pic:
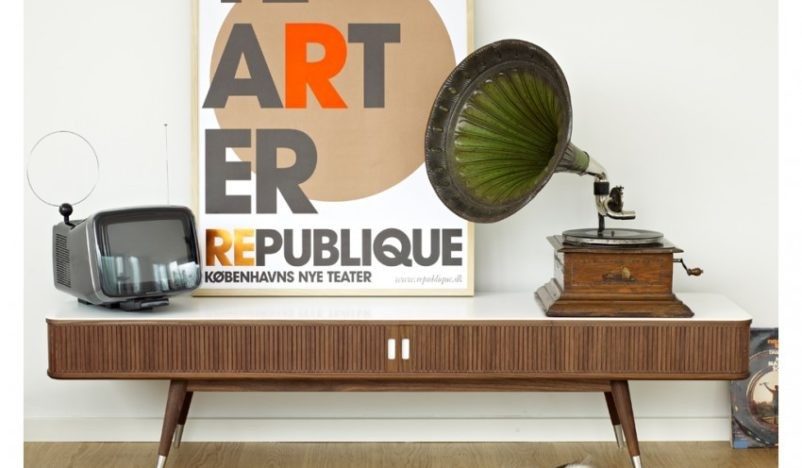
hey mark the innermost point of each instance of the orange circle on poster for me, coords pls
(361, 150)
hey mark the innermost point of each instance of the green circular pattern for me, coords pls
(505, 136)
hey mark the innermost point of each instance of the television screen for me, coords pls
(146, 252)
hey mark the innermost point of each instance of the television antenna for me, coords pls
(166, 165)
(65, 154)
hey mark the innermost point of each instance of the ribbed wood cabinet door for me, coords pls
(322, 349)
(218, 349)
(449, 349)
(592, 349)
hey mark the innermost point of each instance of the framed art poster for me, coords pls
(308, 122)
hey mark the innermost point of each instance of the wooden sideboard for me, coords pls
(491, 342)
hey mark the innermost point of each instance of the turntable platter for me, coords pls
(612, 237)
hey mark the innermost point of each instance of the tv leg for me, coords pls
(619, 433)
(623, 403)
(175, 399)
(182, 419)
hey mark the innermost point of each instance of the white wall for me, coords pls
(677, 98)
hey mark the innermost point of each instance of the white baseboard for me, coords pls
(374, 429)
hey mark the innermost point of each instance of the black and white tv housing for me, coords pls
(132, 258)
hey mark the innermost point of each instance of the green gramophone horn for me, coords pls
(499, 128)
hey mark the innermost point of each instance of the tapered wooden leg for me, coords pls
(182, 419)
(619, 434)
(175, 400)
(623, 405)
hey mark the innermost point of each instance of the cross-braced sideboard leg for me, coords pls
(619, 434)
(175, 400)
(182, 419)
(623, 403)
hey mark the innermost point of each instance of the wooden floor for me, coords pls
(394, 455)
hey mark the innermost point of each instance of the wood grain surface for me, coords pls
(576, 349)
(605, 281)
(395, 455)
(405, 385)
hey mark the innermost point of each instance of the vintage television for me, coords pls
(132, 259)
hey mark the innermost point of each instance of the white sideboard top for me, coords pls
(483, 306)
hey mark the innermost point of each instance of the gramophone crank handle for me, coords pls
(690, 271)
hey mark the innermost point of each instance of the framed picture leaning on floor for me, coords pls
(755, 400)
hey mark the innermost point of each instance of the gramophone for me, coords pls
(499, 128)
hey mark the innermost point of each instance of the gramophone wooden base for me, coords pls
(555, 304)
(605, 281)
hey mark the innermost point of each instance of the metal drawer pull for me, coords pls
(391, 349)
(405, 349)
